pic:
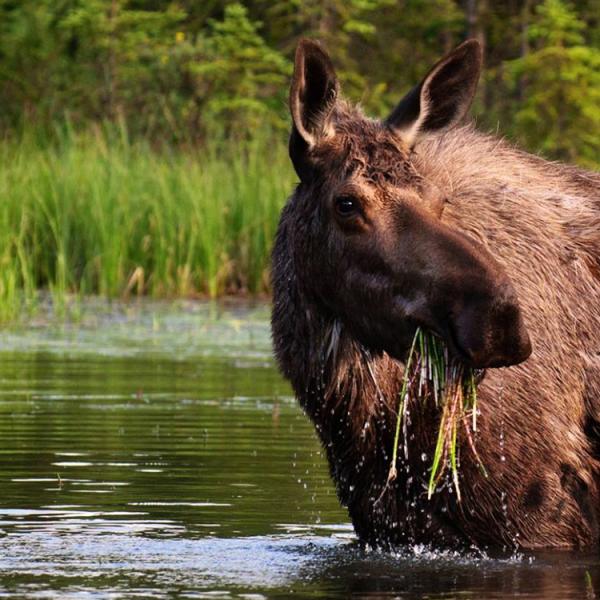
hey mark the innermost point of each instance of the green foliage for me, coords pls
(241, 80)
(560, 113)
(95, 213)
(556, 25)
(119, 60)
(181, 71)
(411, 36)
(344, 26)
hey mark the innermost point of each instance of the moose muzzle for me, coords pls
(470, 300)
(488, 331)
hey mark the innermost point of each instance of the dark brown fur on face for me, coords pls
(419, 221)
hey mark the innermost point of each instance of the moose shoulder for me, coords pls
(419, 221)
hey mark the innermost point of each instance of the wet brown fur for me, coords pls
(539, 427)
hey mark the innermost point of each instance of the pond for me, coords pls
(153, 450)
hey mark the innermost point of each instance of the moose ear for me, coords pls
(312, 98)
(442, 99)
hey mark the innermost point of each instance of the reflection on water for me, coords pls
(152, 451)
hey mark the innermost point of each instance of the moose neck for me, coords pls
(349, 391)
(351, 395)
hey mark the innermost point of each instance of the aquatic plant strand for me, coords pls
(431, 374)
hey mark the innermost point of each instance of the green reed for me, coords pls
(432, 375)
(93, 213)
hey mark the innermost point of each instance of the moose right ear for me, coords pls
(442, 99)
(312, 98)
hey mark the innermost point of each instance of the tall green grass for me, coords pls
(93, 213)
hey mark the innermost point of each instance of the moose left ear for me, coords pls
(442, 99)
(313, 96)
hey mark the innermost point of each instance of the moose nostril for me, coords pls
(512, 338)
(526, 349)
(508, 315)
(524, 346)
(488, 332)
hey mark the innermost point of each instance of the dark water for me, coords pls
(154, 451)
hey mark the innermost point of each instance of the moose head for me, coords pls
(370, 235)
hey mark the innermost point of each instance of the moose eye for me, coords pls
(346, 206)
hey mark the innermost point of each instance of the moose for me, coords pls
(420, 220)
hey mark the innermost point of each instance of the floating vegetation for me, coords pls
(432, 375)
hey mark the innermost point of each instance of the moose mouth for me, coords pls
(455, 347)
(448, 337)
(489, 354)
(480, 347)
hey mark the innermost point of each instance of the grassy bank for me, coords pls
(95, 214)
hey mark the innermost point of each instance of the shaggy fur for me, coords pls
(539, 425)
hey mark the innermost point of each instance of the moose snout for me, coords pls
(464, 294)
(489, 331)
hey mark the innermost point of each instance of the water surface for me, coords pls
(153, 450)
